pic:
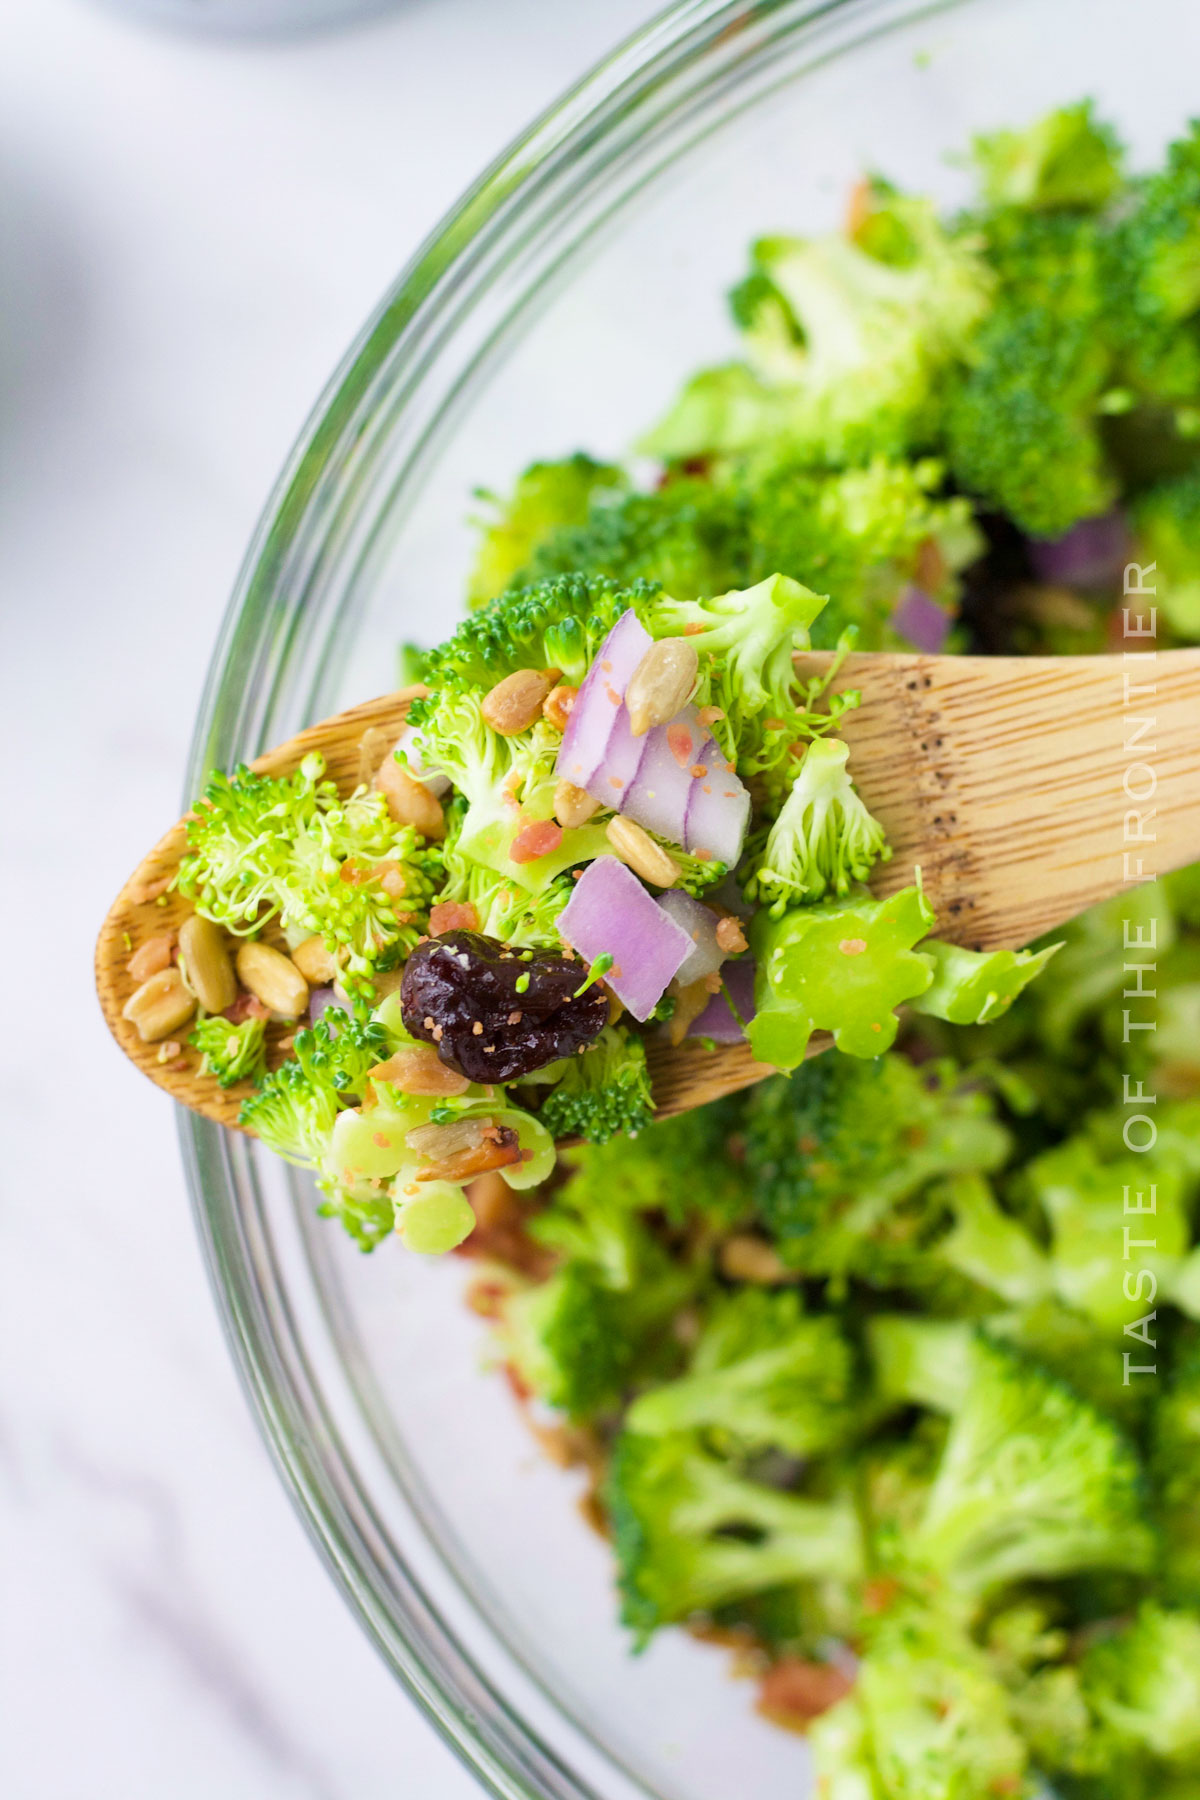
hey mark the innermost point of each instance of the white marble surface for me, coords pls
(190, 234)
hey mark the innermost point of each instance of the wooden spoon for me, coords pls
(1017, 785)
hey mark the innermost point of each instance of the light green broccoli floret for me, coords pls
(1143, 1683)
(295, 1108)
(605, 1091)
(690, 1531)
(1066, 158)
(824, 839)
(548, 497)
(262, 847)
(972, 987)
(761, 1374)
(231, 1052)
(1166, 522)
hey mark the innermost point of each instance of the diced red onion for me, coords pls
(611, 913)
(700, 923)
(319, 1002)
(920, 620)
(620, 763)
(1093, 554)
(599, 700)
(718, 808)
(717, 1020)
(658, 798)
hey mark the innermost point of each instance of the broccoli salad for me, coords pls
(882, 1370)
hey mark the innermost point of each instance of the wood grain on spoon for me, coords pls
(1006, 780)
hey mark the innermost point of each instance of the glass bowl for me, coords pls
(557, 307)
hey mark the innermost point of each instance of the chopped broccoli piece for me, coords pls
(231, 1052)
(1144, 1683)
(837, 1155)
(845, 349)
(935, 1722)
(1034, 1483)
(287, 846)
(656, 1171)
(1175, 1469)
(990, 1247)
(690, 535)
(690, 1531)
(823, 840)
(605, 1091)
(555, 624)
(548, 497)
(1066, 158)
(294, 1110)
(761, 1374)
(505, 784)
(972, 987)
(1023, 420)
(1166, 521)
(567, 1339)
(841, 966)
(1154, 258)
(921, 1361)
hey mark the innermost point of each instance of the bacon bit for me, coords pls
(852, 946)
(929, 570)
(731, 768)
(698, 771)
(246, 1006)
(452, 915)
(152, 957)
(797, 1691)
(541, 838)
(144, 891)
(354, 874)
(616, 971)
(679, 743)
(731, 938)
(692, 630)
(708, 715)
(391, 878)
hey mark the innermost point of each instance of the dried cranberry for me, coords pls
(460, 991)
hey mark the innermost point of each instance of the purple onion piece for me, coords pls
(920, 620)
(599, 700)
(620, 763)
(1092, 554)
(718, 809)
(319, 1001)
(658, 799)
(611, 913)
(717, 1021)
(700, 923)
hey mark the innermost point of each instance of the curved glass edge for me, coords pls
(267, 674)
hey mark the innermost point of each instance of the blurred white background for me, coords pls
(190, 235)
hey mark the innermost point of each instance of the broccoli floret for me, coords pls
(548, 497)
(294, 1110)
(1067, 158)
(844, 349)
(1166, 521)
(231, 1052)
(761, 1374)
(1022, 422)
(605, 1091)
(930, 1718)
(505, 784)
(824, 839)
(504, 909)
(287, 846)
(690, 1531)
(1155, 272)
(567, 1340)
(973, 987)
(656, 1171)
(555, 624)
(920, 1361)
(690, 535)
(1144, 1683)
(1033, 1483)
(1175, 1468)
(990, 1247)
(839, 1154)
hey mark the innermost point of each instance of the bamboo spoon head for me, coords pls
(999, 778)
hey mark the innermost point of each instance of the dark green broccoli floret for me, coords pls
(690, 535)
(1155, 271)
(603, 1092)
(836, 1153)
(1066, 158)
(690, 1531)
(1033, 1483)
(761, 1374)
(568, 1340)
(548, 497)
(294, 1110)
(1175, 1469)
(230, 1052)
(559, 623)
(1022, 422)
(657, 1170)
